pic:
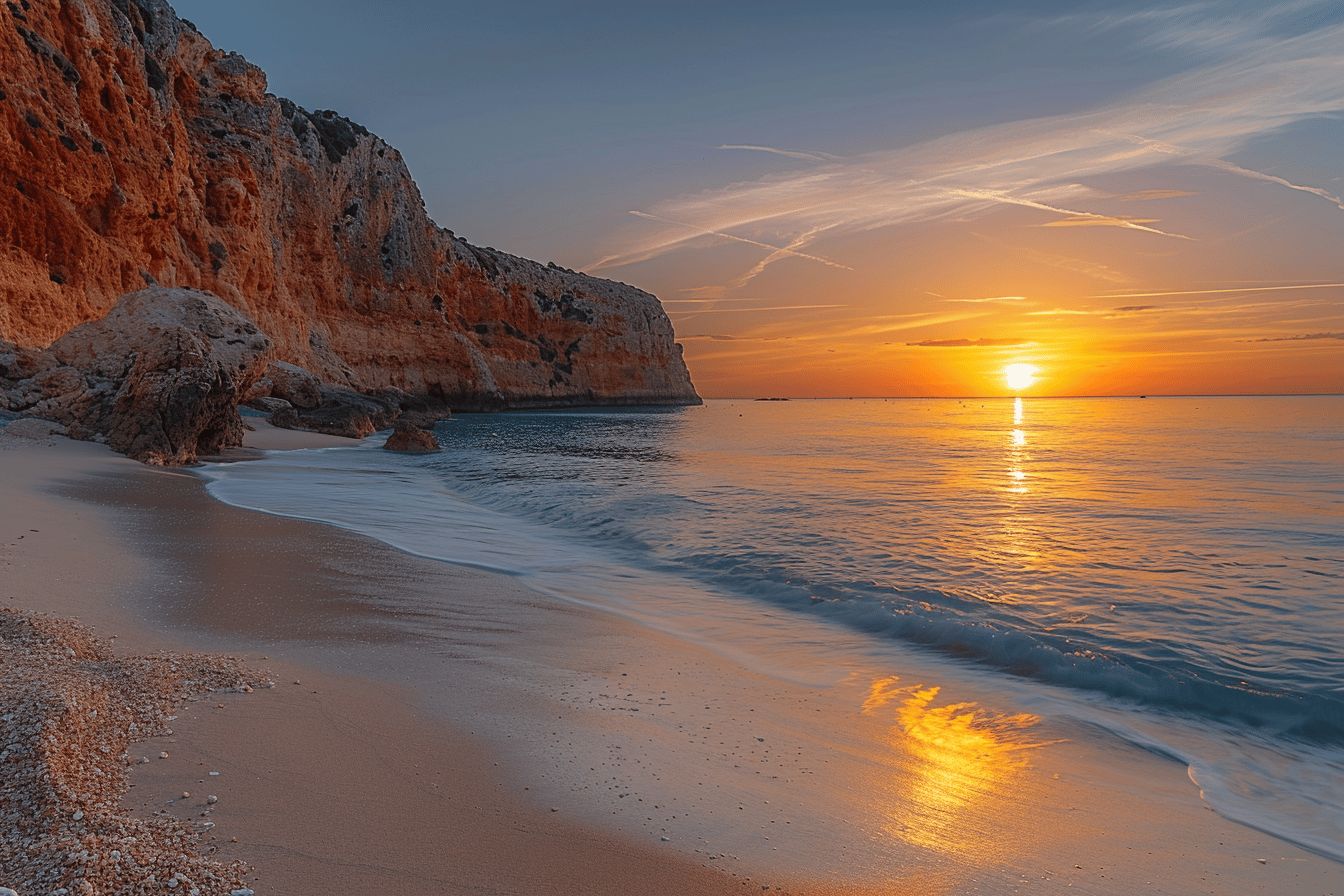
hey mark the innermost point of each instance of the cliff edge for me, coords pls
(134, 153)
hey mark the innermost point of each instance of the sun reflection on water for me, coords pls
(1017, 454)
(964, 762)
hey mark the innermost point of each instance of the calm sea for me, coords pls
(1175, 564)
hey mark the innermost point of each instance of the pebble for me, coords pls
(214, 774)
(212, 799)
(186, 794)
(37, 664)
(242, 891)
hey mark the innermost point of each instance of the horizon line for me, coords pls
(1133, 395)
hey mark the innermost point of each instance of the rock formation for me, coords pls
(343, 412)
(134, 153)
(158, 378)
(410, 439)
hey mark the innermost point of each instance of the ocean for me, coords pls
(1170, 570)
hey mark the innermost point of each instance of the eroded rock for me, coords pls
(158, 378)
(343, 412)
(411, 439)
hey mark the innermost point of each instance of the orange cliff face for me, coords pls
(134, 152)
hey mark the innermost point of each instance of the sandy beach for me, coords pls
(411, 749)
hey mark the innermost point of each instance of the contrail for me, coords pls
(742, 239)
(1110, 220)
(1233, 168)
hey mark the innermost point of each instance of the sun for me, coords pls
(1019, 377)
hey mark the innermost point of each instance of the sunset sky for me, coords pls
(871, 200)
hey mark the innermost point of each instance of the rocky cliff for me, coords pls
(134, 153)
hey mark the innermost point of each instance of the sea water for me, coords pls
(1176, 565)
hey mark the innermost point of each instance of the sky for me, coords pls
(858, 199)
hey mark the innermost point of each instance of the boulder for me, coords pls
(411, 439)
(342, 412)
(270, 405)
(158, 379)
(293, 384)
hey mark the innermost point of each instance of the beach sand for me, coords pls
(515, 744)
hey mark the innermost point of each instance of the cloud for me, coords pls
(789, 153)
(698, 231)
(1187, 26)
(1153, 194)
(1302, 337)
(1093, 221)
(1241, 171)
(1214, 292)
(1071, 216)
(1262, 85)
(965, 343)
(1136, 308)
(981, 300)
(1060, 312)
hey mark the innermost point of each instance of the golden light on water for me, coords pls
(1020, 377)
(965, 759)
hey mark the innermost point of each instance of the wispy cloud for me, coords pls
(1239, 170)
(1071, 216)
(698, 231)
(966, 343)
(1157, 193)
(789, 153)
(980, 300)
(1214, 292)
(1301, 337)
(1098, 221)
(1263, 83)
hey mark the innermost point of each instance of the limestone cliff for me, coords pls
(132, 152)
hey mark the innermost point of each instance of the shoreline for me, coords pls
(383, 608)
(321, 785)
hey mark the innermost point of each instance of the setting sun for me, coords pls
(1019, 376)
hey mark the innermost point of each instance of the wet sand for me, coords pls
(442, 714)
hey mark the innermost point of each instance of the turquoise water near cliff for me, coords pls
(1173, 566)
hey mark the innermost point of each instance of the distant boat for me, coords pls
(772, 399)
